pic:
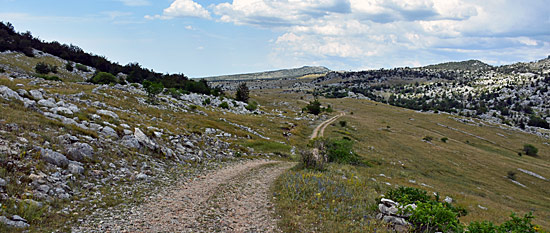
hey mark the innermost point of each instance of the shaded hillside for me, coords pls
(276, 74)
(461, 65)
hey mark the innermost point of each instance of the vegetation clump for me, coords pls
(242, 93)
(152, 89)
(43, 68)
(530, 150)
(103, 78)
(252, 106)
(313, 107)
(224, 105)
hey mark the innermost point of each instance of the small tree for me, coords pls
(530, 150)
(69, 67)
(152, 89)
(242, 93)
(42, 68)
(314, 107)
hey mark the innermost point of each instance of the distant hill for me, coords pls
(461, 65)
(276, 74)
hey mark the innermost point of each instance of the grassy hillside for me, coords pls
(461, 65)
(472, 166)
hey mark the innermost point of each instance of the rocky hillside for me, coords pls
(70, 148)
(516, 95)
(277, 74)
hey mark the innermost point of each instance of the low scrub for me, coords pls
(103, 78)
(530, 150)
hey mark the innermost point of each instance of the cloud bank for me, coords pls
(387, 33)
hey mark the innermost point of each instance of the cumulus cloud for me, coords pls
(182, 8)
(387, 32)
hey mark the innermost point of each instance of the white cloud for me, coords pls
(182, 8)
(135, 2)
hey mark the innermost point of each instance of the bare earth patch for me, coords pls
(233, 199)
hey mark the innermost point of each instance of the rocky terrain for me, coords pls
(277, 74)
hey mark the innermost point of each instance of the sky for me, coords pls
(204, 38)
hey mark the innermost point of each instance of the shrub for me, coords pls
(428, 138)
(42, 68)
(82, 68)
(152, 89)
(407, 195)
(314, 107)
(176, 93)
(444, 139)
(341, 151)
(482, 227)
(207, 101)
(103, 78)
(515, 224)
(69, 67)
(242, 93)
(224, 105)
(435, 217)
(538, 122)
(530, 150)
(2, 70)
(511, 175)
(49, 77)
(252, 106)
(343, 123)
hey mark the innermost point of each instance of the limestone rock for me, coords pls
(7, 93)
(109, 132)
(75, 168)
(36, 95)
(143, 139)
(107, 113)
(80, 151)
(130, 141)
(62, 110)
(47, 103)
(55, 158)
(12, 223)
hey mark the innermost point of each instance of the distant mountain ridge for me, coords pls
(276, 74)
(461, 65)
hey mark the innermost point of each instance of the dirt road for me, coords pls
(320, 129)
(232, 199)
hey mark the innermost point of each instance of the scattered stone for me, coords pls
(47, 103)
(143, 139)
(142, 176)
(448, 199)
(55, 158)
(130, 141)
(36, 95)
(482, 207)
(109, 132)
(107, 113)
(62, 110)
(7, 93)
(11, 223)
(3, 183)
(22, 92)
(75, 168)
(80, 152)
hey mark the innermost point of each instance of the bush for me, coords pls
(2, 70)
(103, 78)
(444, 139)
(435, 217)
(314, 107)
(82, 68)
(242, 93)
(482, 227)
(530, 150)
(252, 106)
(341, 151)
(343, 123)
(49, 77)
(428, 138)
(207, 101)
(511, 175)
(152, 89)
(538, 122)
(407, 195)
(69, 67)
(515, 224)
(224, 105)
(43, 68)
(176, 93)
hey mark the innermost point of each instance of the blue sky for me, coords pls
(202, 38)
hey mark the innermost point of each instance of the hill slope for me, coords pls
(461, 65)
(276, 74)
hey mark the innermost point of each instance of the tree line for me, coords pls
(25, 42)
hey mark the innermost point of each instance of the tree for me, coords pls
(242, 93)
(152, 89)
(103, 78)
(314, 107)
(42, 68)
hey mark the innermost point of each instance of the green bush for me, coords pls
(435, 217)
(224, 105)
(207, 101)
(103, 78)
(530, 150)
(252, 106)
(176, 93)
(538, 122)
(407, 195)
(2, 70)
(428, 138)
(444, 139)
(314, 107)
(511, 175)
(341, 151)
(242, 93)
(152, 88)
(69, 67)
(482, 227)
(515, 224)
(49, 77)
(82, 68)
(343, 123)
(43, 68)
